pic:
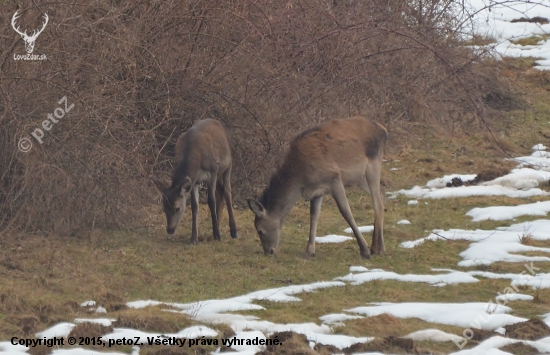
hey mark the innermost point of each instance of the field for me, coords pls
(86, 264)
(46, 278)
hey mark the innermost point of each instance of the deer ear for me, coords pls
(186, 187)
(161, 185)
(256, 207)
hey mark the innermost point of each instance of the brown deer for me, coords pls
(322, 160)
(203, 154)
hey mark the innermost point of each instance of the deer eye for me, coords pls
(260, 234)
(178, 209)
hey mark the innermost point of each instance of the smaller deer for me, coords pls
(325, 160)
(203, 154)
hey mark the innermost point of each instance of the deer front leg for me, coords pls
(229, 203)
(195, 212)
(339, 194)
(314, 212)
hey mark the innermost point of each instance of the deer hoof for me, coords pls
(308, 255)
(234, 234)
(365, 255)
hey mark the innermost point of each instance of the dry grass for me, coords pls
(520, 349)
(113, 269)
(531, 41)
(477, 40)
(526, 239)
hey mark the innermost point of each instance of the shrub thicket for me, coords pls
(141, 72)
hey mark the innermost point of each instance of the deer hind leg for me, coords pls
(372, 179)
(314, 211)
(229, 202)
(212, 205)
(219, 201)
(195, 211)
(339, 194)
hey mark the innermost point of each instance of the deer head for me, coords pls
(29, 40)
(174, 198)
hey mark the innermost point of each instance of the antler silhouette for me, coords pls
(37, 32)
(13, 25)
(29, 40)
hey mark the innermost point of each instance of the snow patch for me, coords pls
(494, 245)
(457, 314)
(362, 229)
(332, 238)
(433, 335)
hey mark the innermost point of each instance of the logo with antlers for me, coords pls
(29, 40)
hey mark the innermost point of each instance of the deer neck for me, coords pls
(282, 194)
(184, 169)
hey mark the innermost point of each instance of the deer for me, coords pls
(202, 154)
(29, 40)
(325, 160)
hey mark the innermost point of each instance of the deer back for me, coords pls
(343, 146)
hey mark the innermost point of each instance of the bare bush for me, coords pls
(139, 73)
